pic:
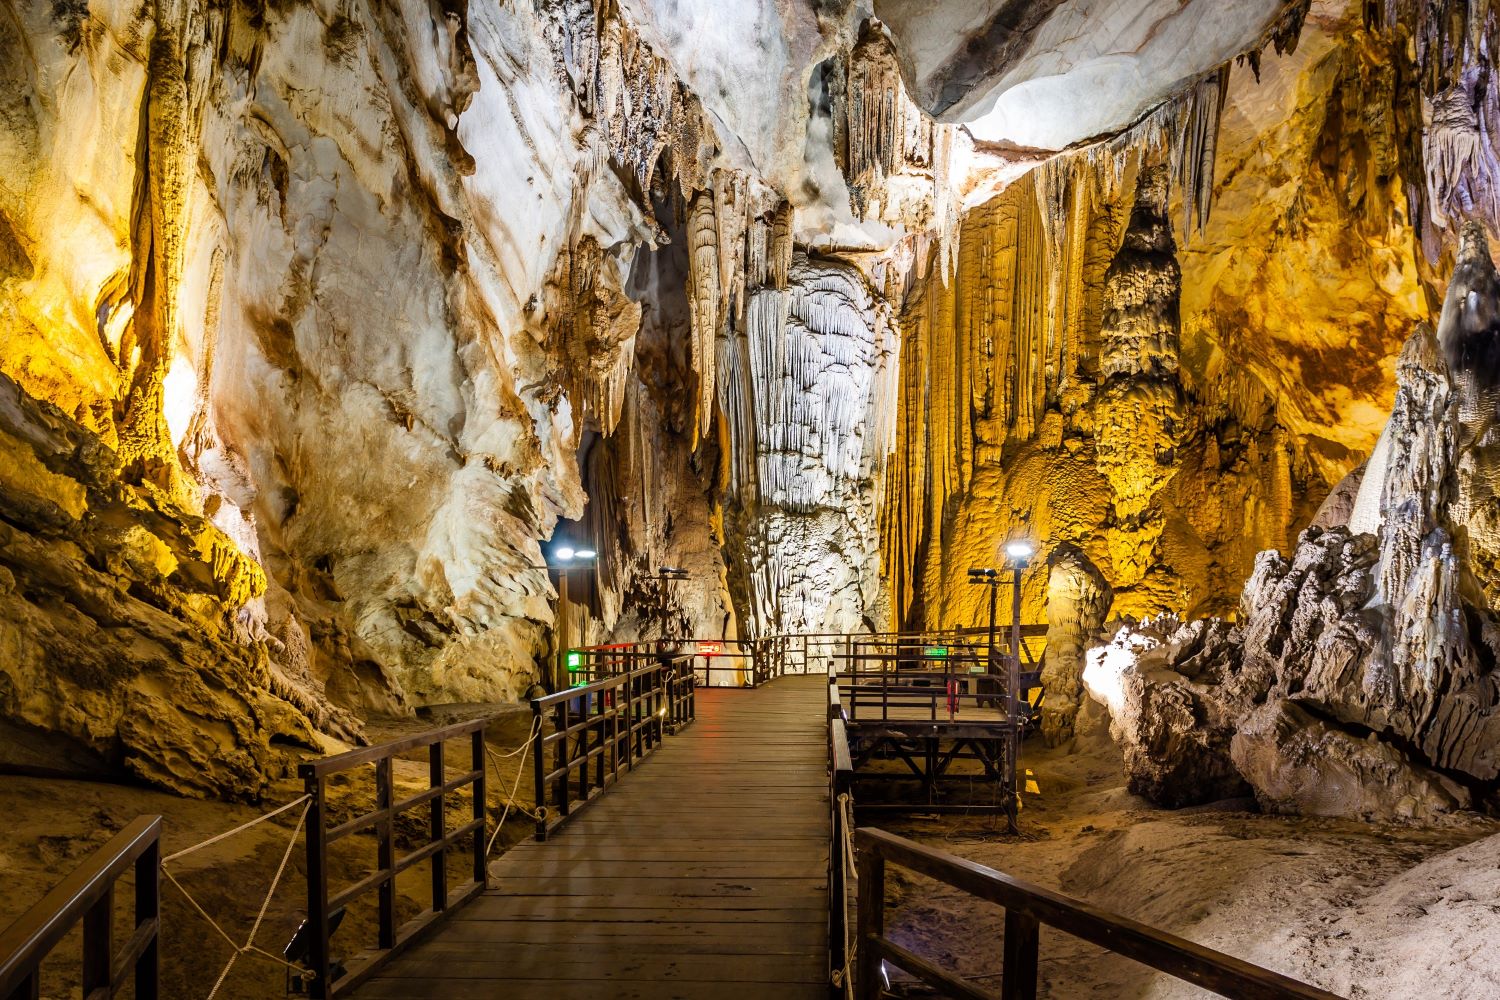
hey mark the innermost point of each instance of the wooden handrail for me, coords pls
(369, 755)
(601, 729)
(1028, 906)
(87, 896)
(322, 903)
(753, 662)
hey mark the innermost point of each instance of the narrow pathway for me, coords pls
(702, 874)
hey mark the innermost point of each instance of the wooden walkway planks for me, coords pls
(702, 875)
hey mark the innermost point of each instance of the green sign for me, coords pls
(575, 659)
(936, 652)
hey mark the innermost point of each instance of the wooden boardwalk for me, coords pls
(702, 874)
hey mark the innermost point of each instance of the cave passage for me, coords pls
(1044, 454)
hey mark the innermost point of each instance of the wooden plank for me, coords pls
(619, 961)
(467, 989)
(768, 938)
(585, 910)
(705, 867)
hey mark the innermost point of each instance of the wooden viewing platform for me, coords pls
(702, 874)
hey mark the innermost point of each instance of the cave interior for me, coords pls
(374, 366)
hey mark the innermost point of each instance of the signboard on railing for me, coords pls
(936, 652)
(709, 647)
(575, 659)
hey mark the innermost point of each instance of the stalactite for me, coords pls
(594, 327)
(178, 78)
(1446, 98)
(705, 295)
(975, 356)
(881, 134)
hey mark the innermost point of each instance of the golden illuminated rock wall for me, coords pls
(1171, 419)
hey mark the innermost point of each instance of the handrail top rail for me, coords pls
(1150, 946)
(597, 654)
(39, 929)
(1031, 630)
(964, 631)
(604, 684)
(323, 766)
(843, 761)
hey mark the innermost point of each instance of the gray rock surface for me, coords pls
(1360, 679)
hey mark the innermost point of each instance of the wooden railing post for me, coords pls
(148, 910)
(560, 758)
(437, 822)
(29, 989)
(385, 852)
(98, 943)
(539, 770)
(317, 891)
(1018, 977)
(481, 801)
(870, 925)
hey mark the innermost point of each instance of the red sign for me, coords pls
(710, 648)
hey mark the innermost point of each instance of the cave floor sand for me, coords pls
(1364, 910)
(50, 826)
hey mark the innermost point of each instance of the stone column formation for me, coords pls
(1078, 600)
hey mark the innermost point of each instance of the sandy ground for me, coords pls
(51, 826)
(1363, 910)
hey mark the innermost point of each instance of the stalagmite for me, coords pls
(1078, 599)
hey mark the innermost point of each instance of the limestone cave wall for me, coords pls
(319, 319)
(1165, 349)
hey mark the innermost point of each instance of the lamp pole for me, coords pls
(559, 665)
(563, 558)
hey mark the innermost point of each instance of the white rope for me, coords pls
(249, 946)
(842, 977)
(230, 833)
(510, 800)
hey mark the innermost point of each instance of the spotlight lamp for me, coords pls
(977, 575)
(1019, 552)
(564, 554)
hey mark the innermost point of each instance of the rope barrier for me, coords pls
(230, 833)
(249, 947)
(841, 977)
(510, 800)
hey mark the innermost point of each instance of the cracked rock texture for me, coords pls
(122, 651)
(1361, 679)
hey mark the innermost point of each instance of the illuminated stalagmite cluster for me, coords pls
(1361, 678)
(320, 319)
